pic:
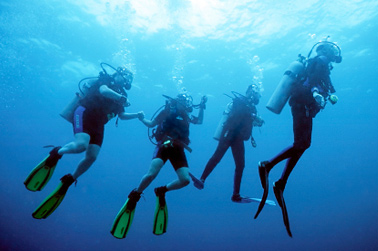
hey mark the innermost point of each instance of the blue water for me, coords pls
(209, 48)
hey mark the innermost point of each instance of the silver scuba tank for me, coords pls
(219, 132)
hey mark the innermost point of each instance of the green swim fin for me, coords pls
(161, 212)
(125, 216)
(42, 173)
(52, 201)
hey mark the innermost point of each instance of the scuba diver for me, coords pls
(310, 88)
(99, 100)
(172, 137)
(234, 128)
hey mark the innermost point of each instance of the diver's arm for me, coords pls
(199, 120)
(109, 93)
(127, 116)
(149, 123)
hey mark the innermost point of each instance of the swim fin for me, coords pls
(52, 201)
(125, 216)
(42, 173)
(161, 212)
(264, 178)
(281, 201)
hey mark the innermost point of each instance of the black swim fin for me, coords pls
(125, 216)
(42, 173)
(281, 201)
(264, 178)
(161, 212)
(52, 201)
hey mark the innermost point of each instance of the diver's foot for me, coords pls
(134, 197)
(198, 183)
(160, 191)
(241, 199)
(264, 168)
(54, 156)
(67, 181)
(278, 188)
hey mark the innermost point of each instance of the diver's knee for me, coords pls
(302, 147)
(185, 181)
(81, 147)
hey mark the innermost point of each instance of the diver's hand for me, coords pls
(333, 99)
(203, 102)
(140, 115)
(258, 121)
(124, 101)
(253, 142)
(319, 99)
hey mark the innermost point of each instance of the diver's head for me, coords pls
(330, 50)
(123, 77)
(253, 93)
(185, 102)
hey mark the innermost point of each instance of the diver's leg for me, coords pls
(90, 157)
(222, 147)
(238, 152)
(182, 181)
(285, 154)
(302, 127)
(155, 167)
(79, 145)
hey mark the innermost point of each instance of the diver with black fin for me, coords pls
(308, 85)
(235, 127)
(172, 138)
(100, 99)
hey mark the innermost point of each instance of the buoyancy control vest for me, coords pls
(237, 120)
(173, 124)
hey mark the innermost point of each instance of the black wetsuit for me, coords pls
(95, 111)
(304, 108)
(237, 129)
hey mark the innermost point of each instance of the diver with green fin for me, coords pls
(100, 99)
(172, 138)
(308, 85)
(235, 127)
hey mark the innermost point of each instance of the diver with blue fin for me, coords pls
(235, 127)
(172, 138)
(308, 85)
(99, 100)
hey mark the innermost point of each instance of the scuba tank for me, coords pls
(68, 112)
(219, 132)
(283, 91)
